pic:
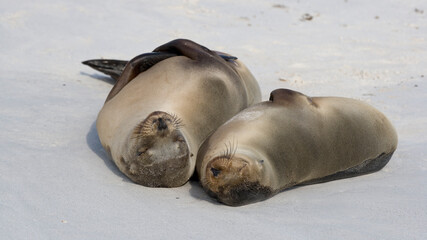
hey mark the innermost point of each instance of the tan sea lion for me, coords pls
(164, 105)
(293, 140)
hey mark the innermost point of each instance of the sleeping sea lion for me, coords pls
(293, 140)
(164, 105)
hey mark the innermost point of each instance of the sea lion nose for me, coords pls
(162, 124)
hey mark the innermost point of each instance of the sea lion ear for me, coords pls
(135, 66)
(185, 47)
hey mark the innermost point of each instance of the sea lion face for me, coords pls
(158, 154)
(234, 180)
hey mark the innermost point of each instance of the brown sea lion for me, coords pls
(164, 105)
(293, 140)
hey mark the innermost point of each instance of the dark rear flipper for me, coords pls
(111, 67)
(124, 72)
(366, 167)
(114, 68)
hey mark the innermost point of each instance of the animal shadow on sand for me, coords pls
(197, 191)
(100, 77)
(94, 144)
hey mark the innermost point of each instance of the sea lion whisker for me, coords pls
(141, 127)
(140, 135)
(225, 153)
(176, 121)
(234, 148)
(230, 150)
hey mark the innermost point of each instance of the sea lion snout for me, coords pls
(158, 124)
(233, 180)
(162, 124)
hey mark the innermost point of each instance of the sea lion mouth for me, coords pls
(158, 154)
(240, 194)
(244, 193)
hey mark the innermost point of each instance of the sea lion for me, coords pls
(164, 105)
(291, 140)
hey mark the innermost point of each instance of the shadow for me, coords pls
(101, 77)
(94, 144)
(197, 192)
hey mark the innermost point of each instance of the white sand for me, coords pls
(56, 182)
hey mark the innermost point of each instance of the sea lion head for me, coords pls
(235, 179)
(158, 154)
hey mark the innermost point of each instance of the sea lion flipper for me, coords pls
(227, 57)
(185, 47)
(114, 68)
(191, 50)
(135, 66)
(111, 67)
(366, 167)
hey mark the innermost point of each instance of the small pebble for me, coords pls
(306, 17)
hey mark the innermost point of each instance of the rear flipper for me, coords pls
(111, 67)
(114, 68)
(366, 167)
